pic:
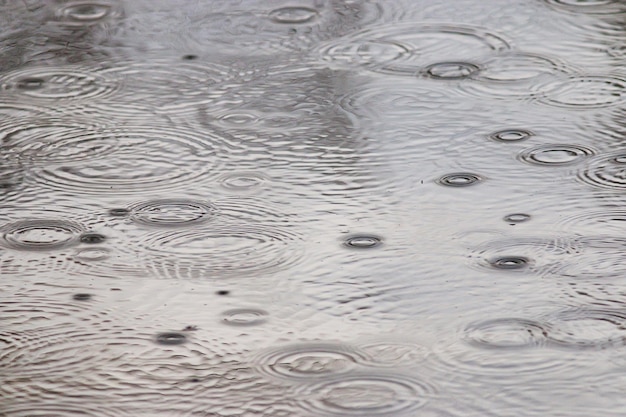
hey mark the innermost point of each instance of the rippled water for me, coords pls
(312, 208)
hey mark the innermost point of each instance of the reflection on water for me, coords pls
(312, 208)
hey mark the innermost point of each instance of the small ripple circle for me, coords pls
(40, 234)
(555, 155)
(459, 179)
(172, 212)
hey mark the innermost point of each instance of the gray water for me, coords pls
(313, 208)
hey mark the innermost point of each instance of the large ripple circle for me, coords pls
(221, 250)
(142, 161)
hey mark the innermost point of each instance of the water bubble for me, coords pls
(510, 262)
(367, 394)
(84, 12)
(459, 179)
(517, 218)
(190, 57)
(506, 333)
(171, 338)
(92, 238)
(555, 155)
(309, 361)
(172, 212)
(244, 317)
(82, 297)
(222, 292)
(40, 234)
(293, 15)
(363, 242)
(511, 135)
(451, 70)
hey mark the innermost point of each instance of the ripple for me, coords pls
(460, 179)
(585, 328)
(450, 70)
(506, 333)
(595, 257)
(57, 141)
(64, 408)
(222, 250)
(92, 255)
(596, 222)
(409, 48)
(363, 242)
(516, 218)
(142, 162)
(309, 361)
(293, 15)
(244, 317)
(58, 83)
(243, 181)
(589, 6)
(171, 212)
(524, 254)
(511, 135)
(605, 171)
(394, 354)
(585, 92)
(555, 155)
(40, 234)
(514, 75)
(84, 13)
(92, 238)
(371, 394)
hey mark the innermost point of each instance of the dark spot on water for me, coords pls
(190, 328)
(119, 212)
(30, 83)
(190, 57)
(363, 242)
(171, 338)
(461, 179)
(92, 238)
(509, 262)
(81, 297)
(222, 292)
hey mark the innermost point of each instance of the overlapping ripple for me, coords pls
(607, 171)
(141, 162)
(409, 48)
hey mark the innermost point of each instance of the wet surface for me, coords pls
(312, 208)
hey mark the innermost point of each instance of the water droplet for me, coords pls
(511, 135)
(451, 70)
(460, 179)
(510, 262)
(92, 238)
(363, 242)
(81, 297)
(172, 212)
(244, 317)
(40, 234)
(171, 338)
(517, 218)
(293, 15)
(190, 57)
(222, 292)
(555, 155)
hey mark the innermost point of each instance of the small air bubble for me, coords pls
(81, 297)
